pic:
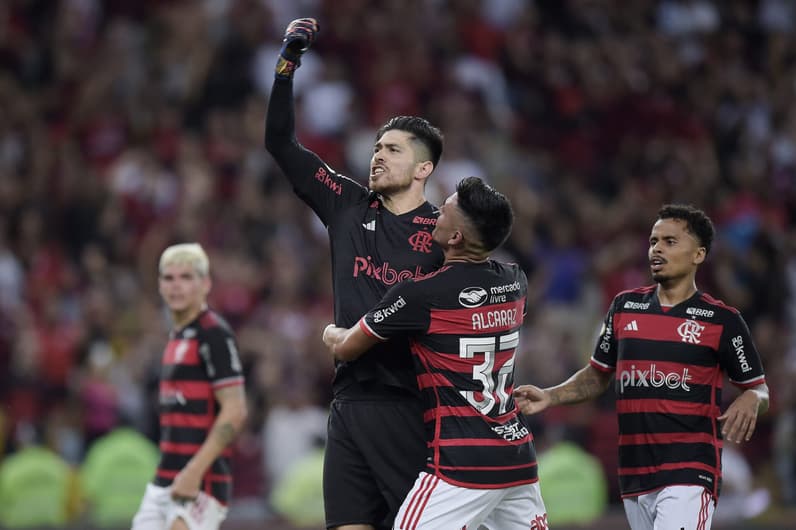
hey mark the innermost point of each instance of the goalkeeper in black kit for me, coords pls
(379, 235)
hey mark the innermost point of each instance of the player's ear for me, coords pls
(700, 256)
(423, 169)
(456, 238)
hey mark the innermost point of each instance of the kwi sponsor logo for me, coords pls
(380, 314)
(740, 354)
(606, 333)
(324, 178)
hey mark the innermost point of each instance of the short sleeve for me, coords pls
(404, 310)
(605, 351)
(738, 355)
(219, 352)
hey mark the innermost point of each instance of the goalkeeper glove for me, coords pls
(299, 36)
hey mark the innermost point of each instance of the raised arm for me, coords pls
(585, 384)
(280, 128)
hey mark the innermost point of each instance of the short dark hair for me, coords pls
(487, 209)
(420, 129)
(697, 222)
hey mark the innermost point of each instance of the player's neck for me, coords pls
(403, 202)
(185, 317)
(671, 294)
(460, 256)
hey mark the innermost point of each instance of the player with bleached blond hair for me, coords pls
(202, 402)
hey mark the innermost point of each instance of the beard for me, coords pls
(390, 188)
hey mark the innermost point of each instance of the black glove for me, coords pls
(299, 36)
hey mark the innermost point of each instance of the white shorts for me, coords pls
(158, 511)
(433, 504)
(671, 508)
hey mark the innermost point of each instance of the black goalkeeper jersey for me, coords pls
(464, 322)
(372, 249)
(199, 359)
(670, 365)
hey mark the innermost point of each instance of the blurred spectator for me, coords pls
(128, 126)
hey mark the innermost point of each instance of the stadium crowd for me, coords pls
(129, 125)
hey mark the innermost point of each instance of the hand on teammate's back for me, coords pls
(299, 36)
(531, 399)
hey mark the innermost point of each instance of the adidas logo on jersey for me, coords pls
(370, 225)
(631, 326)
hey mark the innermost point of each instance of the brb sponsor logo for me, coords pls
(652, 377)
(420, 220)
(383, 273)
(637, 305)
(390, 310)
(699, 312)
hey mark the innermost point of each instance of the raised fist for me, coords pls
(299, 36)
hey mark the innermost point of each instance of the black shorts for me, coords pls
(374, 452)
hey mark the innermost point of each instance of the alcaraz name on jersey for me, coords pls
(670, 365)
(464, 322)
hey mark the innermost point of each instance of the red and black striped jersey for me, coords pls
(199, 359)
(464, 325)
(670, 364)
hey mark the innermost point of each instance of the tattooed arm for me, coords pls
(229, 422)
(587, 383)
